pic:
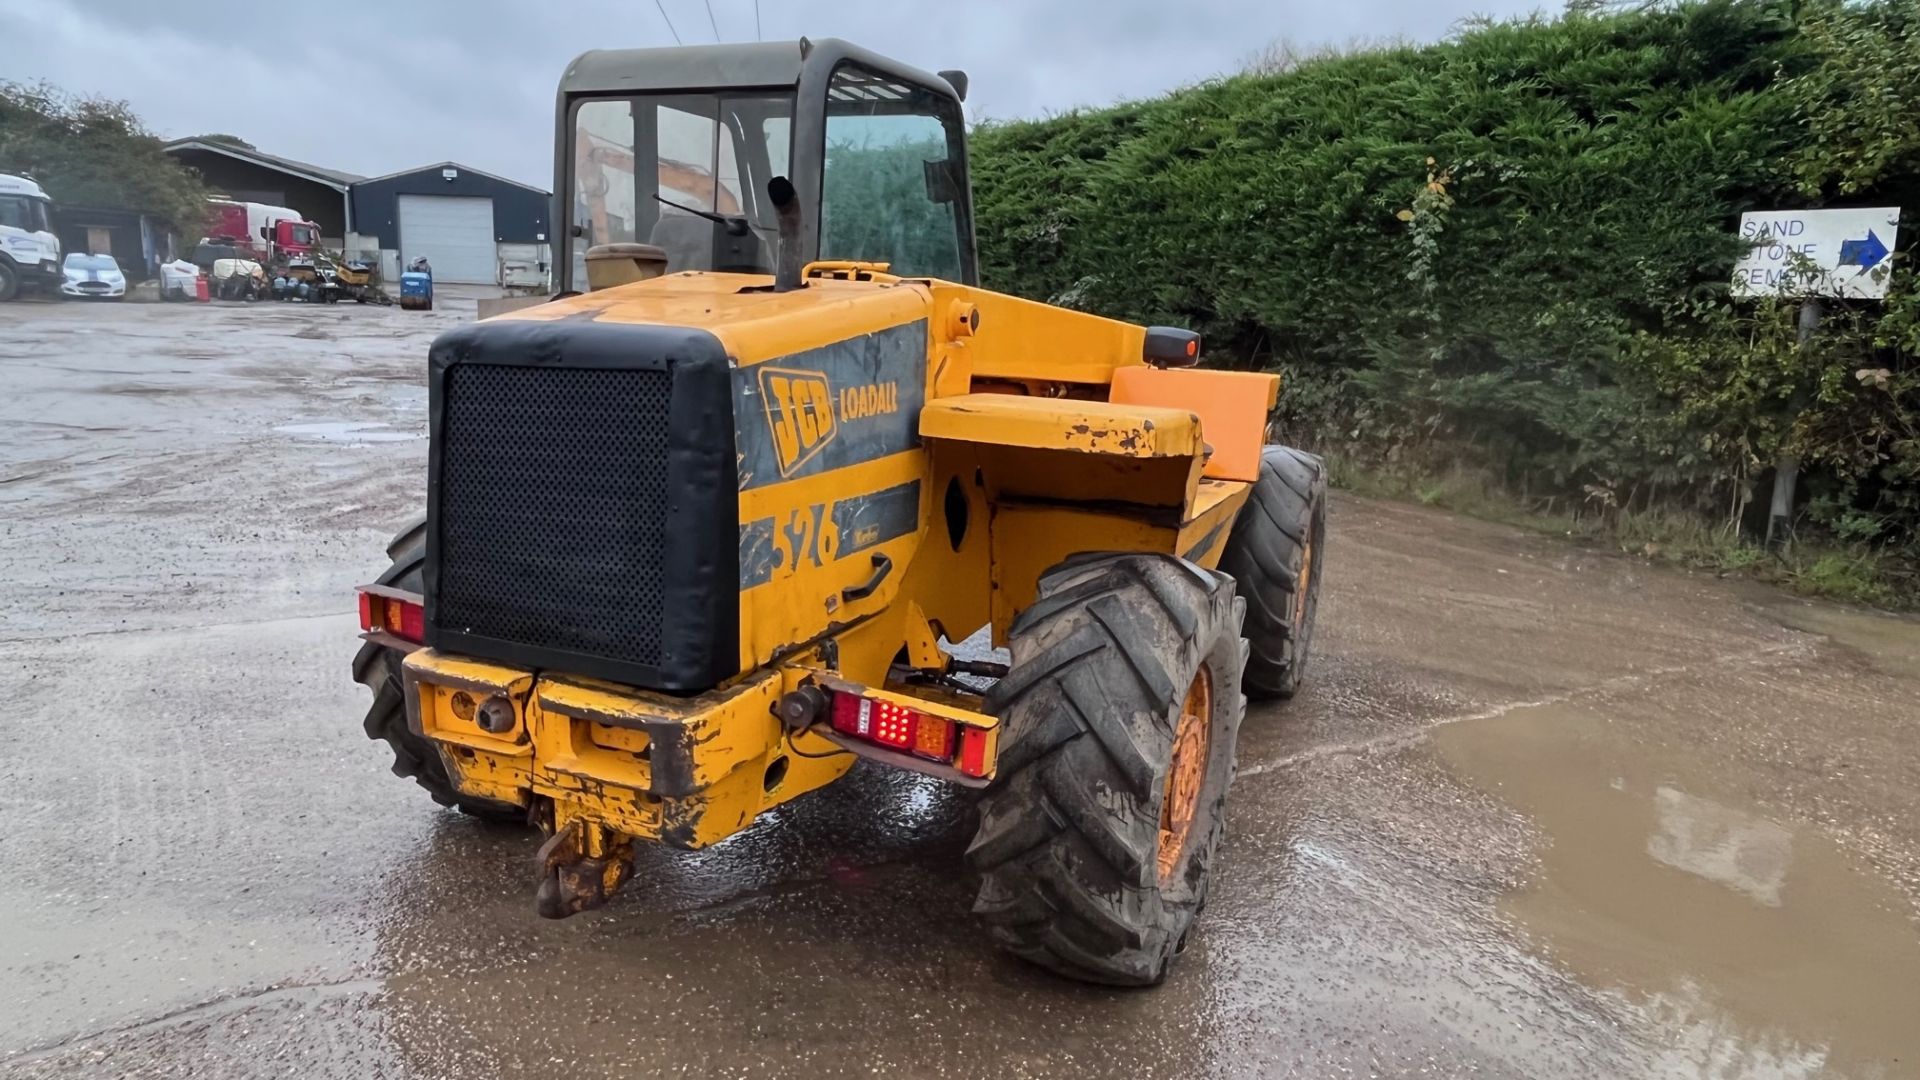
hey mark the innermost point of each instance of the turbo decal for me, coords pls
(811, 536)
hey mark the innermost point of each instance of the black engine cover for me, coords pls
(583, 501)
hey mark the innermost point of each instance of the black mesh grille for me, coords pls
(553, 506)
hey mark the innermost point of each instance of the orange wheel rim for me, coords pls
(1302, 587)
(1186, 773)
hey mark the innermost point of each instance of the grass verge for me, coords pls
(1854, 574)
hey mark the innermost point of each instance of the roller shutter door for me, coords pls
(455, 233)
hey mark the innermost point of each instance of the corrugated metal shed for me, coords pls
(384, 205)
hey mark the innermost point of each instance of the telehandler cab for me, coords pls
(697, 543)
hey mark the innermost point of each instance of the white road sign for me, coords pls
(1842, 253)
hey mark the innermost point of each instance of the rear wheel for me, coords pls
(1275, 555)
(1121, 711)
(378, 669)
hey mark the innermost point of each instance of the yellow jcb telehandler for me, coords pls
(699, 541)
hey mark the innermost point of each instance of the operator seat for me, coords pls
(687, 240)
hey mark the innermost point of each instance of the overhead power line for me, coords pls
(756, 21)
(710, 22)
(663, 15)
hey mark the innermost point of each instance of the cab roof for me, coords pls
(20, 185)
(717, 67)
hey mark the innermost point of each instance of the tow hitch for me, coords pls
(581, 866)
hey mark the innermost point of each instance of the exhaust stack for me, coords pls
(786, 205)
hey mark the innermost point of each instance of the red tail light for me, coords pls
(975, 746)
(401, 617)
(895, 727)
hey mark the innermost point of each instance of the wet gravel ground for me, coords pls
(1540, 811)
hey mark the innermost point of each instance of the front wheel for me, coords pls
(9, 282)
(1121, 712)
(1275, 554)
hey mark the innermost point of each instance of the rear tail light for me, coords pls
(933, 738)
(395, 615)
(976, 751)
(895, 727)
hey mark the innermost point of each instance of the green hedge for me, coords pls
(1513, 245)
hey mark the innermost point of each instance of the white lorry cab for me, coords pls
(29, 252)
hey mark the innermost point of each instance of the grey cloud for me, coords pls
(373, 88)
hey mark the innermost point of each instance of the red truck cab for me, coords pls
(267, 232)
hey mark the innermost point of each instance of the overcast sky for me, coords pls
(374, 88)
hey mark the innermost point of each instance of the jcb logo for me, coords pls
(800, 413)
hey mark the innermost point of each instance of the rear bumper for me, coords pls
(686, 772)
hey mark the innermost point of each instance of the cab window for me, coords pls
(23, 212)
(659, 168)
(891, 183)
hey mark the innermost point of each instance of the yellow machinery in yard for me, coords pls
(697, 543)
(331, 280)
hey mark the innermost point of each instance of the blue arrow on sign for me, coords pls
(1865, 254)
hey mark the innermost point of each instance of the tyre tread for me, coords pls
(1066, 849)
(1263, 554)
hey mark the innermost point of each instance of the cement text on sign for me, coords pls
(1837, 253)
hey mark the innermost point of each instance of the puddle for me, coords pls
(1751, 948)
(1889, 642)
(351, 433)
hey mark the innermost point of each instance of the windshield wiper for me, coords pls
(736, 224)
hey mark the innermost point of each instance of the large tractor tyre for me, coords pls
(378, 668)
(1275, 556)
(1121, 712)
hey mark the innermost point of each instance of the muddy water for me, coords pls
(1748, 946)
(1887, 642)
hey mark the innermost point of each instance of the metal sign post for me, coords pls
(1786, 468)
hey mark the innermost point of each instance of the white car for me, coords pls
(93, 276)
